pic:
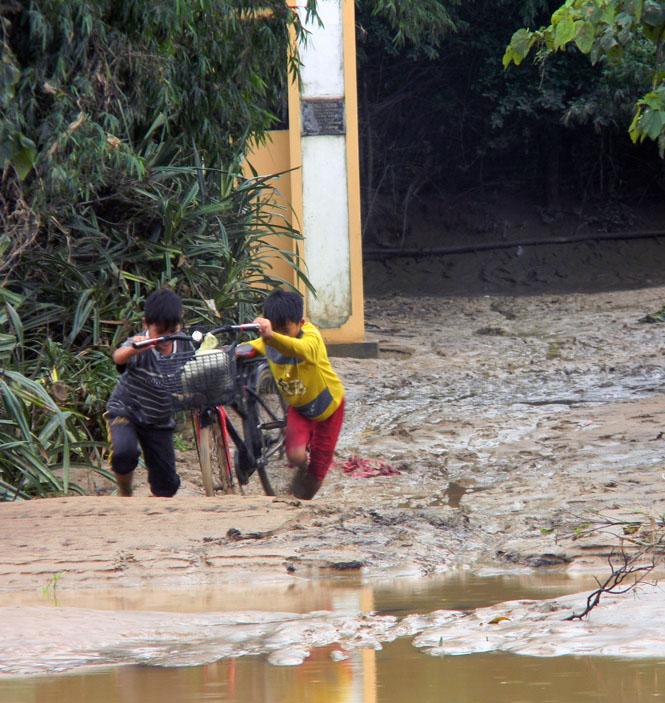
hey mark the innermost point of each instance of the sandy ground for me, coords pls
(515, 424)
(509, 428)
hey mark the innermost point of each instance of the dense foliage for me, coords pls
(619, 32)
(440, 118)
(123, 127)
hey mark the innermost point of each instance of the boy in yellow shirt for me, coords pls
(299, 362)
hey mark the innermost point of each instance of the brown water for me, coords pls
(396, 595)
(398, 672)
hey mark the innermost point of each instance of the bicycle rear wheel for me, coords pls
(214, 455)
(268, 419)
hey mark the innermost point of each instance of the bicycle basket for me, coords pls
(198, 381)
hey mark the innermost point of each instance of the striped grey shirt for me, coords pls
(139, 394)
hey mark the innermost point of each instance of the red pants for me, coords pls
(318, 436)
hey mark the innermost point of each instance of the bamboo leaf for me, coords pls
(15, 410)
(82, 312)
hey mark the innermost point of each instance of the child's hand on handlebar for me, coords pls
(141, 338)
(265, 327)
(123, 354)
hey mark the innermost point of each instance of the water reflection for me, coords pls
(465, 590)
(395, 674)
(387, 671)
(298, 596)
(397, 593)
(320, 680)
(505, 678)
(179, 628)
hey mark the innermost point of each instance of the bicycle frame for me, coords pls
(258, 447)
(248, 448)
(276, 423)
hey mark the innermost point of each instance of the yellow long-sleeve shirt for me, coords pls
(303, 372)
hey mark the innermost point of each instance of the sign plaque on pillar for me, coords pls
(322, 116)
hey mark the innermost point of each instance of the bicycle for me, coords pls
(232, 396)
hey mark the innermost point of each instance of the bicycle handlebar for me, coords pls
(196, 336)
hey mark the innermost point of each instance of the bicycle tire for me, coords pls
(214, 458)
(268, 420)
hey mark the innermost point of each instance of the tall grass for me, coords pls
(41, 439)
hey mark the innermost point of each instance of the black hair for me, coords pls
(283, 306)
(163, 306)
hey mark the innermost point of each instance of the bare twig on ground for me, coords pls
(628, 566)
(645, 533)
(641, 543)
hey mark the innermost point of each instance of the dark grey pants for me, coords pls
(158, 453)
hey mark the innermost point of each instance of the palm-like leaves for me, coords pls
(39, 441)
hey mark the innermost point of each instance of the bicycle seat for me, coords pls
(245, 351)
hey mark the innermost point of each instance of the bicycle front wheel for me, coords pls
(269, 430)
(214, 456)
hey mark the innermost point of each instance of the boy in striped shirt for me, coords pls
(138, 412)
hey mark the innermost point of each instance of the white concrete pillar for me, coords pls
(324, 167)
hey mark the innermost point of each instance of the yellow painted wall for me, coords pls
(274, 157)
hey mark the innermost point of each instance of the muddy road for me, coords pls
(496, 429)
(496, 434)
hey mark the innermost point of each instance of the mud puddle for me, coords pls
(200, 626)
(387, 642)
(390, 595)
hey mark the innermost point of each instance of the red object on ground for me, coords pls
(363, 468)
